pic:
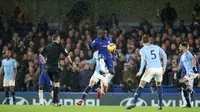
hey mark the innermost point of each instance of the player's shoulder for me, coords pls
(3, 60)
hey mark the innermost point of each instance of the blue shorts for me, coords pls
(44, 79)
(109, 63)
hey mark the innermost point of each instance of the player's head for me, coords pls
(145, 39)
(183, 46)
(56, 38)
(8, 54)
(103, 33)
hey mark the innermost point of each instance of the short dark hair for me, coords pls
(145, 39)
(55, 37)
(185, 44)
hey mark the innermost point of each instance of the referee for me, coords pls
(52, 51)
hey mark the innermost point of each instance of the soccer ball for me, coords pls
(111, 47)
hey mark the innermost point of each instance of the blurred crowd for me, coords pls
(26, 40)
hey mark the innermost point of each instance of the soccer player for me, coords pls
(189, 83)
(9, 67)
(44, 80)
(188, 61)
(101, 43)
(52, 51)
(100, 71)
(151, 55)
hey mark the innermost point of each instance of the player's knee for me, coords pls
(111, 71)
(6, 89)
(158, 83)
(92, 83)
(142, 84)
(57, 84)
(41, 87)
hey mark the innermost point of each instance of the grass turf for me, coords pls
(31, 108)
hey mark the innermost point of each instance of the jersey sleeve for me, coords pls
(93, 60)
(190, 55)
(14, 63)
(64, 51)
(94, 44)
(164, 56)
(2, 64)
(142, 63)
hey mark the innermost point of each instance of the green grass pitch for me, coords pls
(30, 108)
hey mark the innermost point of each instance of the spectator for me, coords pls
(168, 15)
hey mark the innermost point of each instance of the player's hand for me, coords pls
(163, 70)
(84, 62)
(198, 76)
(13, 78)
(195, 70)
(69, 58)
(138, 74)
(175, 76)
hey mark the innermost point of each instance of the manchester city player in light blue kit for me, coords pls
(9, 67)
(150, 54)
(188, 61)
(99, 75)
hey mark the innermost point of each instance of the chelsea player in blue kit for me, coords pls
(188, 61)
(9, 67)
(151, 55)
(44, 80)
(101, 44)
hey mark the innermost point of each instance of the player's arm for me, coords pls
(164, 56)
(65, 52)
(15, 69)
(42, 54)
(193, 62)
(142, 63)
(93, 44)
(1, 69)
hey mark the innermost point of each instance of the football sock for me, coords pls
(7, 97)
(184, 86)
(183, 97)
(41, 98)
(192, 97)
(186, 94)
(55, 95)
(85, 93)
(137, 95)
(13, 95)
(159, 92)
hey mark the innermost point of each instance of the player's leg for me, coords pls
(186, 90)
(41, 87)
(93, 81)
(147, 76)
(183, 98)
(6, 90)
(159, 94)
(7, 95)
(158, 78)
(12, 90)
(49, 83)
(108, 78)
(41, 95)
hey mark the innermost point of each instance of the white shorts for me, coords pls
(190, 77)
(97, 76)
(157, 73)
(7, 83)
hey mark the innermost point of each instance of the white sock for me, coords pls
(183, 98)
(102, 89)
(41, 97)
(108, 78)
(51, 93)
